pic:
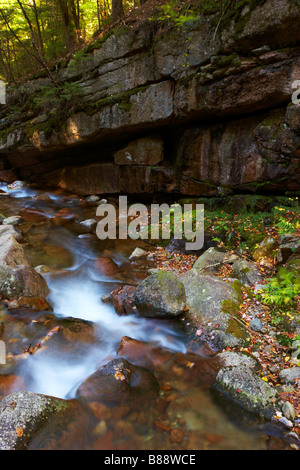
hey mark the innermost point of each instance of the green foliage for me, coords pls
(51, 96)
(287, 220)
(56, 35)
(242, 230)
(172, 12)
(283, 289)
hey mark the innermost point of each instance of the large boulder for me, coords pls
(160, 295)
(265, 249)
(17, 277)
(24, 414)
(241, 384)
(289, 244)
(117, 382)
(11, 252)
(10, 230)
(49, 336)
(214, 304)
(211, 260)
(190, 368)
(21, 281)
(144, 151)
(246, 272)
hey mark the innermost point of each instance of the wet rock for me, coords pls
(33, 303)
(64, 216)
(11, 252)
(286, 422)
(60, 336)
(106, 266)
(30, 283)
(122, 300)
(117, 382)
(214, 304)
(22, 281)
(89, 224)
(10, 230)
(43, 197)
(138, 253)
(143, 353)
(43, 269)
(106, 298)
(188, 368)
(14, 220)
(8, 176)
(92, 199)
(17, 185)
(42, 333)
(10, 383)
(160, 295)
(23, 415)
(247, 389)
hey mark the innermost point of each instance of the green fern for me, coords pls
(283, 289)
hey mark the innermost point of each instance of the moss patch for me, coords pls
(122, 99)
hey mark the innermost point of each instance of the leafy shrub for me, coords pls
(283, 289)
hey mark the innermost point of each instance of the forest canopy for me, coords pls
(38, 34)
(34, 33)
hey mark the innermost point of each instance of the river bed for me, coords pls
(76, 287)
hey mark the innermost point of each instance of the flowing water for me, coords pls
(76, 286)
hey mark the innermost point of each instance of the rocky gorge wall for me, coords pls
(203, 110)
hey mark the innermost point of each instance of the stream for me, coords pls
(76, 286)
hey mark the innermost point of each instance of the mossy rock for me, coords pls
(246, 389)
(214, 304)
(246, 272)
(24, 415)
(294, 264)
(210, 260)
(160, 295)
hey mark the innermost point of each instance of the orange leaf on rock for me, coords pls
(19, 431)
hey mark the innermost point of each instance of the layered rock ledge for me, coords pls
(206, 108)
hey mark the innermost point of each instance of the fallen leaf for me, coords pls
(19, 431)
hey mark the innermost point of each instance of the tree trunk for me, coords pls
(117, 10)
(99, 15)
(6, 63)
(67, 25)
(76, 17)
(38, 26)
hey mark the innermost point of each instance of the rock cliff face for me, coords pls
(204, 110)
